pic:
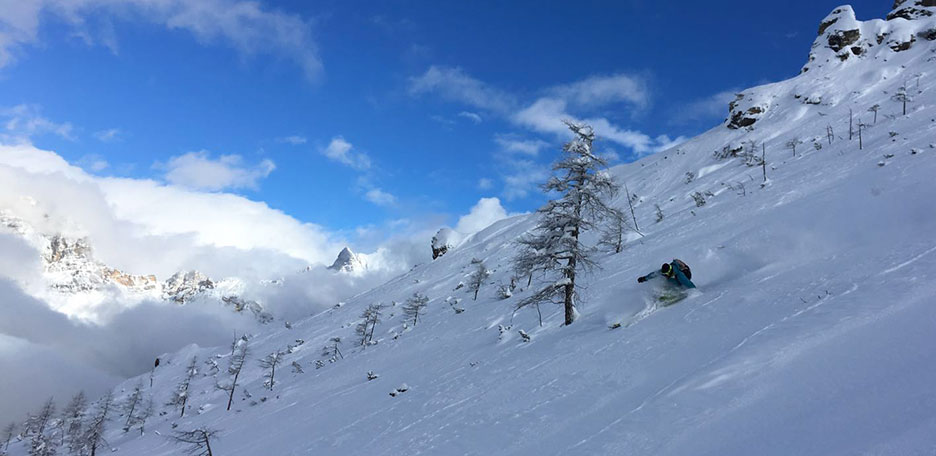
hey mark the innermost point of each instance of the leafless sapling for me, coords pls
(73, 416)
(875, 109)
(414, 306)
(181, 394)
(94, 433)
(238, 359)
(612, 234)
(903, 97)
(144, 413)
(478, 276)
(134, 400)
(791, 144)
(850, 129)
(370, 317)
(198, 441)
(270, 362)
(630, 204)
(41, 443)
(8, 433)
(763, 161)
(331, 351)
(555, 246)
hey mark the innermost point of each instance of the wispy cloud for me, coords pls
(485, 184)
(246, 26)
(380, 197)
(453, 84)
(295, 140)
(596, 91)
(343, 152)
(474, 117)
(109, 135)
(512, 143)
(25, 121)
(547, 113)
(197, 170)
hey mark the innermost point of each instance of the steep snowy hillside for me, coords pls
(811, 332)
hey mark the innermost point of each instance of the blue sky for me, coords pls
(352, 114)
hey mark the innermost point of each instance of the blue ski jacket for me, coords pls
(678, 277)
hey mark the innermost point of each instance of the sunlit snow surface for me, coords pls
(813, 331)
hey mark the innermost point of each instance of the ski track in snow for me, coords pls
(908, 262)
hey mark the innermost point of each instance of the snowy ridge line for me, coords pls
(759, 366)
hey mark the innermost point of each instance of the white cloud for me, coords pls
(482, 215)
(245, 26)
(197, 170)
(341, 151)
(474, 117)
(597, 91)
(180, 226)
(485, 184)
(380, 197)
(294, 140)
(529, 147)
(453, 84)
(707, 109)
(25, 121)
(109, 135)
(547, 114)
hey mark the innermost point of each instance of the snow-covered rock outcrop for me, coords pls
(349, 262)
(443, 241)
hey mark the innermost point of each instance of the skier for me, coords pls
(676, 272)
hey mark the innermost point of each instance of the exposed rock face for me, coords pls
(348, 261)
(444, 240)
(183, 286)
(912, 9)
(745, 111)
(843, 38)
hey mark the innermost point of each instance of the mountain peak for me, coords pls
(348, 261)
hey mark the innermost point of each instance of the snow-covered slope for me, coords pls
(812, 331)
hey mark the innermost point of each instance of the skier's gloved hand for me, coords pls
(641, 279)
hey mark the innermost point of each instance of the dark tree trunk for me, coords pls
(233, 387)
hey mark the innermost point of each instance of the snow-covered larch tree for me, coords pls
(94, 432)
(238, 359)
(180, 395)
(477, 278)
(198, 440)
(555, 246)
(73, 421)
(270, 362)
(134, 400)
(414, 306)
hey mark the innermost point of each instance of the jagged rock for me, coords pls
(239, 304)
(911, 9)
(444, 240)
(183, 286)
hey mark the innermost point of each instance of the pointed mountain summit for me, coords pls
(348, 261)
